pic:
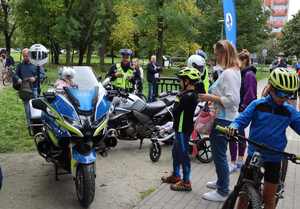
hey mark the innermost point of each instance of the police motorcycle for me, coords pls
(132, 118)
(73, 124)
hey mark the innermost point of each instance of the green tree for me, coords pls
(8, 23)
(290, 42)
(251, 23)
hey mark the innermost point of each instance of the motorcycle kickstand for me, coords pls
(141, 143)
(56, 172)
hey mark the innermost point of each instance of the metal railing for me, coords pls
(167, 84)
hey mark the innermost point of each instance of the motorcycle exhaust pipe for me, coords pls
(166, 138)
(110, 138)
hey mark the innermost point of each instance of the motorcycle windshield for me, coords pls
(85, 98)
(88, 90)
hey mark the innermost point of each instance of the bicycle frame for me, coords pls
(251, 172)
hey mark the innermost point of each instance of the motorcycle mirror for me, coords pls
(39, 104)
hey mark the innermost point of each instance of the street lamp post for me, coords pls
(222, 28)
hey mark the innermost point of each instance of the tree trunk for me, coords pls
(112, 56)
(81, 52)
(72, 57)
(102, 55)
(56, 53)
(89, 54)
(7, 42)
(160, 32)
(160, 39)
(68, 55)
(136, 39)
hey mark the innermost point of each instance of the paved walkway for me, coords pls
(164, 198)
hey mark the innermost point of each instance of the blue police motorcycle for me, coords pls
(70, 128)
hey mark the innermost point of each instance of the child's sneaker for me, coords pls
(170, 179)
(232, 168)
(239, 164)
(182, 186)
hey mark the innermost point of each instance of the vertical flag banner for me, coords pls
(230, 20)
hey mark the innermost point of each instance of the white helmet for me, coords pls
(38, 54)
(67, 72)
(196, 60)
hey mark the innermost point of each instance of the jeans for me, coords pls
(151, 91)
(219, 148)
(35, 92)
(180, 154)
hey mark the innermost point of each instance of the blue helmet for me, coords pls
(201, 53)
(126, 52)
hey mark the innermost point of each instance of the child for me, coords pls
(183, 112)
(269, 117)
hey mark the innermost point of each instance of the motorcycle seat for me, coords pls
(154, 107)
(168, 100)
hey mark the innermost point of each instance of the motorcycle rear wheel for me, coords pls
(85, 184)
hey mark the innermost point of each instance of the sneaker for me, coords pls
(170, 179)
(214, 196)
(212, 184)
(239, 164)
(232, 168)
(182, 186)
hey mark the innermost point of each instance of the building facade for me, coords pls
(279, 13)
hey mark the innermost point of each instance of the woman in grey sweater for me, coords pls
(225, 95)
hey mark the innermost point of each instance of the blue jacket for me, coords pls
(268, 125)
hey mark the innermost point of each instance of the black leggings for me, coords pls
(272, 171)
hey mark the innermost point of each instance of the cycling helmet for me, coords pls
(189, 73)
(38, 54)
(67, 72)
(284, 80)
(126, 52)
(201, 53)
(195, 60)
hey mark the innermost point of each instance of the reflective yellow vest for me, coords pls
(206, 80)
(123, 82)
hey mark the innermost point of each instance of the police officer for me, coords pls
(205, 76)
(121, 73)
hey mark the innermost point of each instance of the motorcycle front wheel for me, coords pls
(155, 152)
(85, 184)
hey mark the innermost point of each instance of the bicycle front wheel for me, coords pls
(248, 197)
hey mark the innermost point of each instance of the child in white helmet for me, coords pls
(66, 79)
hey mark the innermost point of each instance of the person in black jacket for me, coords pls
(152, 76)
(183, 112)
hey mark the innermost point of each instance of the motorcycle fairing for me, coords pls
(64, 107)
(51, 112)
(84, 159)
(102, 108)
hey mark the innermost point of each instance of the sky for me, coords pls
(294, 7)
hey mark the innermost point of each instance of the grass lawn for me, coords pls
(14, 135)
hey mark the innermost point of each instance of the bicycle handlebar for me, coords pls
(292, 157)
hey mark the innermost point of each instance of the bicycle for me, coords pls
(7, 76)
(249, 184)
